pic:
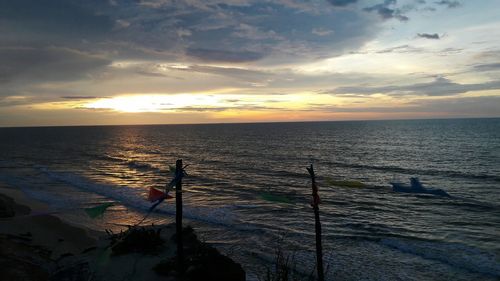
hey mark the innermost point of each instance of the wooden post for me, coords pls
(178, 215)
(315, 205)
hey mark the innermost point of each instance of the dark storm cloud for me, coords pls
(341, 3)
(213, 30)
(46, 64)
(449, 3)
(58, 41)
(434, 36)
(386, 10)
(439, 87)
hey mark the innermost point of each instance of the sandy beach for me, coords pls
(37, 245)
(33, 242)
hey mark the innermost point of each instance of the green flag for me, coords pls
(97, 210)
(276, 198)
(171, 169)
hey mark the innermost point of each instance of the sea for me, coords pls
(369, 232)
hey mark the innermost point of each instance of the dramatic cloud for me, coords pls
(428, 35)
(216, 30)
(59, 55)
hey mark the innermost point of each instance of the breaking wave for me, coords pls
(135, 198)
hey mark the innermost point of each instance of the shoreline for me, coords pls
(37, 245)
(34, 242)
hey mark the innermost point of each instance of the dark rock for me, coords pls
(6, 207)
(9, 208)
(12, 268)
(166, 268)
(202, 262)
(137, 240)
(209, 264)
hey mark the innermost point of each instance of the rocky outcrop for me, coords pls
(202, 262)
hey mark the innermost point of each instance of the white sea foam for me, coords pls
(454, 254)
(137, 165)
(136, 198)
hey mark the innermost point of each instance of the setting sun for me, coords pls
(155, 103)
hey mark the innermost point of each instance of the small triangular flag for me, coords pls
(172, 169)
(155, 195)
(97, 210)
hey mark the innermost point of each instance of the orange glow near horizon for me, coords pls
(156, 108)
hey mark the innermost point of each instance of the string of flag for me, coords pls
(157, 196)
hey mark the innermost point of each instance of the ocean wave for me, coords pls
(112, 158)
(454, 254)
(132, 164)
(137, 165)
(135, 198)
(472, 205)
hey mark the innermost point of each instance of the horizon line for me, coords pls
(242, 123)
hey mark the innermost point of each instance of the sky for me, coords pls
(104, 62)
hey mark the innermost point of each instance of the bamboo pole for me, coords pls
(178, 215)
(315, 205)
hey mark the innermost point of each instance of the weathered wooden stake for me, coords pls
(315, 205)
(178, 215)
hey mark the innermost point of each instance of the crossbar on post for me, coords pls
(315, 205)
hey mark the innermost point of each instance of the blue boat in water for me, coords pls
(416, 186)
